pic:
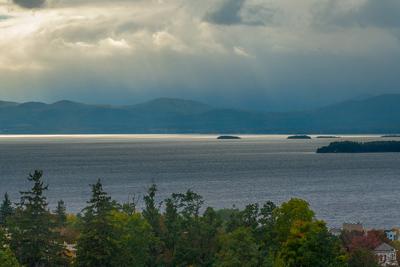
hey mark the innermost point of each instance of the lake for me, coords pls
(339, 187)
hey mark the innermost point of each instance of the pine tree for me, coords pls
(96, 245)
(34, 240)
(61, 215)
(6, 209)
(151, 213)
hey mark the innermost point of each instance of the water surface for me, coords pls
(339, 187)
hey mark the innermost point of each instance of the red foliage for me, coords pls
(370, 240)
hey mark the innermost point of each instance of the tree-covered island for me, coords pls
(358, 147)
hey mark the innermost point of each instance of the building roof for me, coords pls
(384, 247)
(353, 227)
(335, 231)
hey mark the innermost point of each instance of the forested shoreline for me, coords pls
(178, 231)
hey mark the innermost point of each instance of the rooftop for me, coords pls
(384, 247)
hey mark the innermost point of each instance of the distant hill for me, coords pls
(171, 106)
(379, 114)
(7, 104)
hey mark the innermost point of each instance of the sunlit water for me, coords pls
(339, 187)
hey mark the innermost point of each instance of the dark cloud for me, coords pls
(30, 3)
(258, 15)
(226, 14)
(382, 13)
(293, 63)
(233, 12)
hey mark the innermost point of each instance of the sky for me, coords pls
(251, 54)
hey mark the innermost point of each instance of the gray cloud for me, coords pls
(226, 14)
(126, 51)
(30, 3)
(382, 13)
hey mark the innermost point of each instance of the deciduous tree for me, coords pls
(310, 244)
(238, 249)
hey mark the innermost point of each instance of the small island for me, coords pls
(391, 136)
(357, 147)
(327, 136)
(299, 137)
(228, 137)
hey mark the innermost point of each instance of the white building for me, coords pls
(386, 255)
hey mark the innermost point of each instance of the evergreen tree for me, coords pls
(97, 245)
(171, 234)
(34, 240)
(61, 215)
(6, 209)
(265, 233)
(210, 223)
(151, 213)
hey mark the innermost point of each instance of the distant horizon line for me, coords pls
(159, 98)
(339, 135)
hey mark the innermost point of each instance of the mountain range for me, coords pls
(379, 114)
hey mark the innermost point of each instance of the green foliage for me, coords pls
(362, 257)
(151, 213)
(96, 244)
(60, 214)
(176, 232)
(133, 238)
(7, 258)
(288, 213)
(246, 218)
(171, 232)
(6, 209)
(186, 235)
(129, 207)
(238, 249)
(34, 241)
(310, 244)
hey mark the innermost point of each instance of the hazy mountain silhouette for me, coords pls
(380, 114)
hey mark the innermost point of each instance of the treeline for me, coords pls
(359, 147)
(178, 231)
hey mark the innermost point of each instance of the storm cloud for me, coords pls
(30, 3)
(227, 13)
(262, 54)
(383, 14)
